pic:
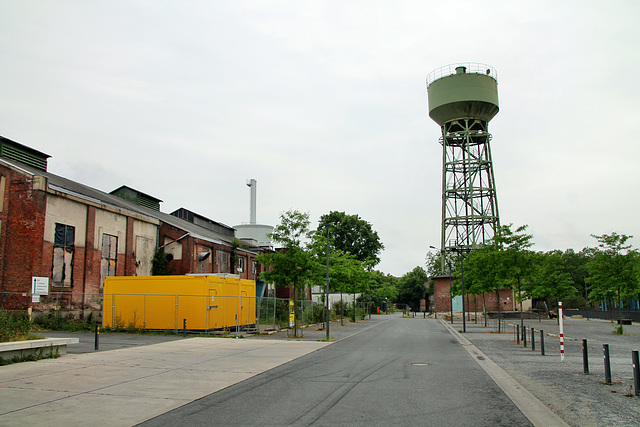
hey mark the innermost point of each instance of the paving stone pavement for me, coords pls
(579, 399)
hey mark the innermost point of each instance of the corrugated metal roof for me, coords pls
(64, 185)
(13, 150)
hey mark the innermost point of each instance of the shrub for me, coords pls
(13, 326)
(54, 322)
(313, 313)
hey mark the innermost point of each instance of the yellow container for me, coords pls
(206, 302)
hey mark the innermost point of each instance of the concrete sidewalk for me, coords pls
(128, 386)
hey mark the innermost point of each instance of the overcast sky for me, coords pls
(324, 103)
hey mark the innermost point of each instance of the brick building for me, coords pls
(75, 236)
(441, 299)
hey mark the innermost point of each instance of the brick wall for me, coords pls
(23, 217)
(190, 247)
(442, 298)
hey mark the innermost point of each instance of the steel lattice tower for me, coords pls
(463, 98)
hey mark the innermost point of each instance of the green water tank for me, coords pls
(461, 91)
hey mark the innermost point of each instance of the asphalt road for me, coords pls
(396, 371)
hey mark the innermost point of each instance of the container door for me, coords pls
(244, 308)
(213, 310)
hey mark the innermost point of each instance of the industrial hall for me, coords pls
(74, 236)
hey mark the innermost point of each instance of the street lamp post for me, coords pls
(327, 288)
(464, 322)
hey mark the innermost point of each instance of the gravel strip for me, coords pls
(579, 399)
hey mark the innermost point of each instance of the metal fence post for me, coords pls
(144, 311)
(175, 323)
(113, 311)
(258, 300)
(237, 315)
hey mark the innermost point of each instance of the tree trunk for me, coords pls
(520, 299)
(499, 309)
(484, 308)
(619, 304)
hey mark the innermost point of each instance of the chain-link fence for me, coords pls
(204, 313)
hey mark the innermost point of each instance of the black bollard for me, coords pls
(636, 372)
(607, 364)
(184, 328)
(585, 357)
(542, 343)
(96, 345)
(533, 340)
(518, 334)
(524, 335)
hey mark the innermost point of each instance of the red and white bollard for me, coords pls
(561, 332)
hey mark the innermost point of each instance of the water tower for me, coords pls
(463, 98)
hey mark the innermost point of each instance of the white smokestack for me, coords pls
(252, 183)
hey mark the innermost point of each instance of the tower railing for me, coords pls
(471, 68)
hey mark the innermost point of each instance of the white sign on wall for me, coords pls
(40, 285)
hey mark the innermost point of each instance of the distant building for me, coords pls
(442, 301)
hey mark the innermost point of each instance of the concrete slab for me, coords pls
(128, 386)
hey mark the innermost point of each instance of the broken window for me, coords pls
(63, 249)
(240, 265)
(109, 257)
(223, 262)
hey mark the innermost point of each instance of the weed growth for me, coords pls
(14, 326)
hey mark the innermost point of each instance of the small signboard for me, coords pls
(39, 286)
(292, 316)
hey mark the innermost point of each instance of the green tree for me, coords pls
(159, 264)
(383, 288)
(482, 273)
(505, 262)
(352, 234)
(613, 269)
(550, 278)
(347, 273)
(293, 265)
(412, 288)
(347, 276)
(575, 264)
(515, 260)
